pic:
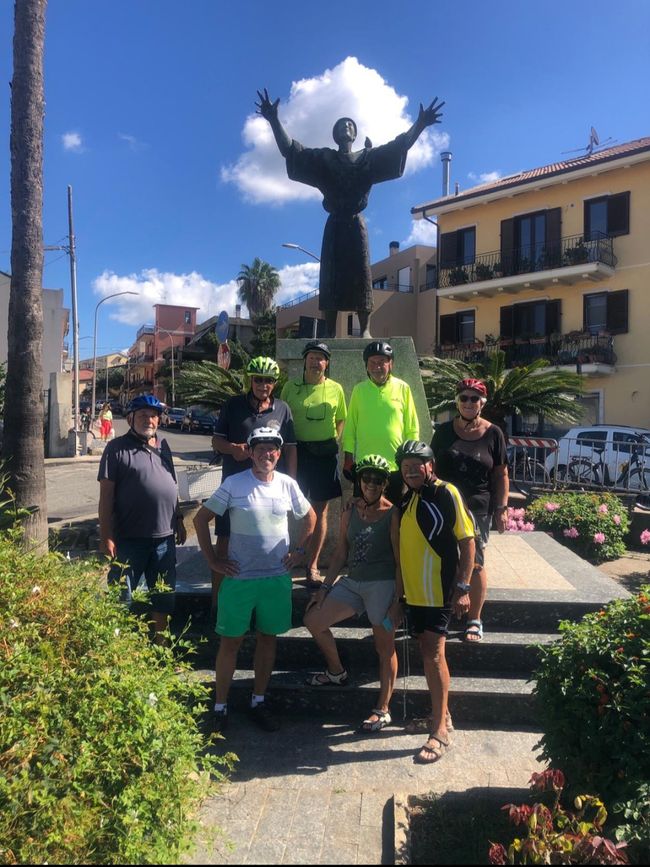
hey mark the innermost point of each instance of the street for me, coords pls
(72, 487)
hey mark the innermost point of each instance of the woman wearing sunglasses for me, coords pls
(369, 544)
(470, 452)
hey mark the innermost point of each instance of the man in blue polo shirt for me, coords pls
(139, 520)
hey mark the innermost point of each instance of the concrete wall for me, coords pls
(58, 444)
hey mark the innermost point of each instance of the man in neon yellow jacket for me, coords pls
(381, 415)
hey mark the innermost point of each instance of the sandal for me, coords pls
(475, 629)
(376, 725)
(326, 678)
(420, 725)
(314, 580)
(428, 755)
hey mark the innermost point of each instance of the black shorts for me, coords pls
(318, 476)
(425, 619)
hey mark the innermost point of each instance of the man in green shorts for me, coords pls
(381, 416)
(256, 568)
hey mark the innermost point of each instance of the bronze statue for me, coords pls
(345, 178)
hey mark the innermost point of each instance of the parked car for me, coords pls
(173, 417)
(200, 422)
(615, 444)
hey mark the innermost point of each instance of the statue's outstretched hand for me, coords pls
(268, 109)
(430, 115)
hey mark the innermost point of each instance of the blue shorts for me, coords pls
(153, 558)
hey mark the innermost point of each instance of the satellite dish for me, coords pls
(593, 137)
(594, 142)
(222, 327)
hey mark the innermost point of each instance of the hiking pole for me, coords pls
(406, 662)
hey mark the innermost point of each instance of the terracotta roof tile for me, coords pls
(525, 177)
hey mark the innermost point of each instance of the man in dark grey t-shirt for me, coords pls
(139, 521)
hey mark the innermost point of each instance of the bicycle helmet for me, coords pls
(145, 401)
(263, 366)
(413, 449)
(317, 346)
(372, 462)
(377, 347)
(472, 384)
(264, 435)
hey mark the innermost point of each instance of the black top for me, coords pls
(468, 464)
(238, 419)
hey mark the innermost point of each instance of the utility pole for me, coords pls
(69, 248)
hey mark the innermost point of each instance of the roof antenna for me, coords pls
(595, 144)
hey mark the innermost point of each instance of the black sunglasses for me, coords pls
(263, 380)
(463, 398)
(371, 479)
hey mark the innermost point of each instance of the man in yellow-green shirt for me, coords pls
(381, 415)
(318, 408)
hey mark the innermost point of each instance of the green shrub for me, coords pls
(593, 700)
(634, 824)
(592, 525)
(101, 756)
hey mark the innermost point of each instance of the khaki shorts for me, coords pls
(373, 597)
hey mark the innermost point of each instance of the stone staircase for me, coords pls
(490, 680)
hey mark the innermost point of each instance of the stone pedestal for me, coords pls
(60, 412)
(347, 368)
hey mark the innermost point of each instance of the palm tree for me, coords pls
(258, 285)
(526, 390)
(23, 413)
(206, 384)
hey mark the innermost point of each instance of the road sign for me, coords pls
(222, 326)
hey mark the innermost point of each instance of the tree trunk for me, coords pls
(23, 445)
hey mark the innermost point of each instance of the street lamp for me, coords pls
(171, 340)
(97, 306)
(298, 247)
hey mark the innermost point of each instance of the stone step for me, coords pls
(512, 652)
(535, 613)
(491, 701)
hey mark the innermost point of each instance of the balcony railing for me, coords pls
(394, 287)
(144, 329)
(305, 297)
(572, 250)
(575, 348)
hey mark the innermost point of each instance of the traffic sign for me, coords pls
(222, 326)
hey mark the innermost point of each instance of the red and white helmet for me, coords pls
(473, 385)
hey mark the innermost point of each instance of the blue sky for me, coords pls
(149, 117)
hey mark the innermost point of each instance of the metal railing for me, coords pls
(304, 297)
(582, 463)
(394, 287)
(572, 250)
(574, 348)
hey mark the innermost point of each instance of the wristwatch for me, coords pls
(464, 587)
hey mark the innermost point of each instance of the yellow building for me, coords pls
(555, 262)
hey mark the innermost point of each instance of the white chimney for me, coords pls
(445, 156)
(393, 248)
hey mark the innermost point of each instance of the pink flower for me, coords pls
(571, 533)
(551, 507)
(528, 528)
(599, 538)
(616, 519)
(603, 508)
(512, 525)
(645, 537)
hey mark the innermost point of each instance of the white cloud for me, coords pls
(72, 142)
(485, 177)
(314, 104)
(158, 287)
(422, 232)
(134, 143)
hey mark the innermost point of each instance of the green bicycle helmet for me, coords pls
(413, 449)
(372, 462)
(263, 366)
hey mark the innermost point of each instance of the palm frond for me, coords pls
(207, 384)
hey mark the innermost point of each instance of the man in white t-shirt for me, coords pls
(257, 567)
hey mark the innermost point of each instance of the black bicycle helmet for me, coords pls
(377, 347)
(145, 401)
(317, 346)
(413, 449)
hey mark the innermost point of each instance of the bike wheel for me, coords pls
(640, 480)
(539, 473)
(581, 471)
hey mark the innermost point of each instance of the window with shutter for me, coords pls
(617, 312)
(448, 333)
(506, 322)
(448, 242)
(607, 215)
(507, 247)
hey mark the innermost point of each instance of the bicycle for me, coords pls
(524, 469)
(634, 473)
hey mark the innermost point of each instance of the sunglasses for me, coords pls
(463, 398)
(264, 380)
(371, 479)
